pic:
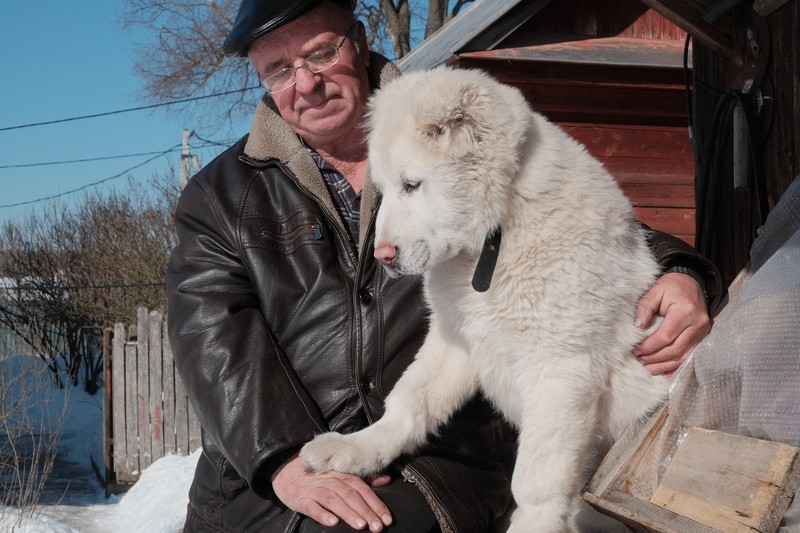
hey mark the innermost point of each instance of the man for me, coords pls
(283, 325)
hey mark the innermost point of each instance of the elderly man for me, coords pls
(283, 325)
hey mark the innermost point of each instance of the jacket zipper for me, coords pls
(356, 296)
(412, 475)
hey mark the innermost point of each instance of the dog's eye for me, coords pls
(409, 186)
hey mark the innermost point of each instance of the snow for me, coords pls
(155, 504)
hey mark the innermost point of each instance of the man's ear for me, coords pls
(360, 42)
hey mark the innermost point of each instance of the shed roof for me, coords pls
(480, 26)
(486, 23)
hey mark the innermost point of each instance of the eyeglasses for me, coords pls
(319, 61)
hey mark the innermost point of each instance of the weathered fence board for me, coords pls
(170, 398)
(157, 443)
(150, 415)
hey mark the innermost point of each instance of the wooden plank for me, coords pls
(766, 7)
(633, 170)
(129, 471)
(642, 516)
(617, 140)
(182, 411)
(632, 443)
(636, 475)
(194, 429)
(730, 482)
(511, 66)
(108, 410)
(156, 372)
(677, 221)
(624, 105)
(143, 388)
(119, 404)
(186, 424)
(170, 394)
(666, 195)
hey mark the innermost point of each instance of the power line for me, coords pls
(141, 108)
(89, 159)
(214, 143)
(115, 176)
(104, 158)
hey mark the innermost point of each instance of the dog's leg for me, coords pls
(441, 379)
(557, 431)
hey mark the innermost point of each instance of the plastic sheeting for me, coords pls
(744, 378)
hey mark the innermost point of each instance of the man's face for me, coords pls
(325, 108)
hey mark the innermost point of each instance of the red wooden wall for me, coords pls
(611, 73)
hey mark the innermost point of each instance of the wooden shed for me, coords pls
(628, 78)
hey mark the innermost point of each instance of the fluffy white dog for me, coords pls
(533, 266)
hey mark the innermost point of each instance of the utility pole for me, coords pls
(187, 156)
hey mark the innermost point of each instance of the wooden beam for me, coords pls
(767, 7)
(688, 15)
(719, 8)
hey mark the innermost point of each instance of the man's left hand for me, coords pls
(679, 299)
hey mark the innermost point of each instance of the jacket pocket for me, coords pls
(284, 236)
(230, 483)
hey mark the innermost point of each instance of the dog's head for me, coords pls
(444, 147)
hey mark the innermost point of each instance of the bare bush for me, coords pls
(30, 427)
(71, 271)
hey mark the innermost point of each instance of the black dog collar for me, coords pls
(487, 261)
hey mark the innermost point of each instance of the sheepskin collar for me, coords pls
(272, 139)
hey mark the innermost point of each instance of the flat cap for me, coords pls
(256, 18)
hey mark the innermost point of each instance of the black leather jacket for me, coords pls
(281, 329)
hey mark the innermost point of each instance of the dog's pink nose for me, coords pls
(385, 253)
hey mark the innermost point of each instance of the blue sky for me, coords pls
(67, 59)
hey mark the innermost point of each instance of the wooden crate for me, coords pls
(714, 482)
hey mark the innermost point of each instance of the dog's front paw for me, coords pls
(351, 454)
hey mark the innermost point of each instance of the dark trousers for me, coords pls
(410, 512)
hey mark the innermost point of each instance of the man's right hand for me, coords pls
(328, 497)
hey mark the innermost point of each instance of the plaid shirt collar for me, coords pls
(347, 201)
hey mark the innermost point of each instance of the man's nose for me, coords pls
(305, 80)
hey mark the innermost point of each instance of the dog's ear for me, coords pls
(457, 115)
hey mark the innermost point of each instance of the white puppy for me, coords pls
(457, 157)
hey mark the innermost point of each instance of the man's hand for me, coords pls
(680, 300)
(329, 496)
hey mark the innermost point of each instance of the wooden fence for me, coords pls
(146, 412)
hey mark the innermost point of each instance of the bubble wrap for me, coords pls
(744, 378)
